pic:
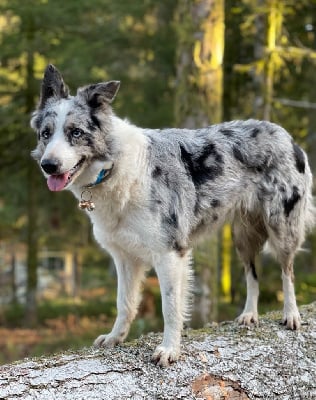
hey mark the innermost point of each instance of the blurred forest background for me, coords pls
(181, 63)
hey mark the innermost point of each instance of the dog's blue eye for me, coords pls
(45, 133)
(76, 132)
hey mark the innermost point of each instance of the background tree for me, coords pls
(198, 103)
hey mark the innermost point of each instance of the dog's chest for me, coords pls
(129, 230)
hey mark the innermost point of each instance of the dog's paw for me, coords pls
(164, 356)
(248, 319)
(292, 319)
(107, 341)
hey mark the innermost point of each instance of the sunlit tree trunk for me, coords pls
(274, 28)
(259, 55)
(198, 103)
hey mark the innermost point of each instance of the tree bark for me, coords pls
(32, 200)
(274, 29)
(224, 362)
(200, 52)
(198, 103)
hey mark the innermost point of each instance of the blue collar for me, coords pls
(102, 175)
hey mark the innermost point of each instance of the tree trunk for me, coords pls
(225, 362)
(199, 85)
(274, 29)
(32, 239)
(198, 103)
(13, 276)
(259, 56)
(77, 262)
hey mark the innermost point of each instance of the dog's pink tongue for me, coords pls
(56, 183)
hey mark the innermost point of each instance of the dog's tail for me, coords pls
(310, 215)
(310, 209)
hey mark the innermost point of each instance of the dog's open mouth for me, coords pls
(58, 182)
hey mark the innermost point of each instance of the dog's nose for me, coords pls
(50, 166)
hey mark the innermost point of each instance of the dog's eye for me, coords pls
(45, 133)
(76, 132)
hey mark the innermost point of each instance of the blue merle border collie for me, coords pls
(150, 194)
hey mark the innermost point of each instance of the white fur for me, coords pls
(250, 312)
(291, 315)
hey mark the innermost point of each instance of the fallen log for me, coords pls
(223, 362)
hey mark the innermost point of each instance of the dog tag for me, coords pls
(86, 204)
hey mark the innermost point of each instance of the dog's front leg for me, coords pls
(129, 278)
(172, 274)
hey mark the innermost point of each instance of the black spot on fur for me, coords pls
(197, 206)
(171, 219)
(94, 122)
(196, 164)
(215, 203)
(253, 270)
(91, 126)
(187, 160)
(215, 217)
(227, 132)
(238, 155)
(299, 158)
(282, 188)
(261, 163)
(94, 99)
(210, 149)
(255, 132)
(289, 204)
(174, 219)
(157, 171)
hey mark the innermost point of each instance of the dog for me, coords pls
(150, 194)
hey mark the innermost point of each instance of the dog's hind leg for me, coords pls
(173, 271)
(284, 245)
(291, 315)
(249, 238)
(129, 278)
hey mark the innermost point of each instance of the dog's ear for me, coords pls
(53, 85)
(100, 93)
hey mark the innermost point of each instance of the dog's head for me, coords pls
(74, 138)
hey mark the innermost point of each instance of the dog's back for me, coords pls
(231, 169)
